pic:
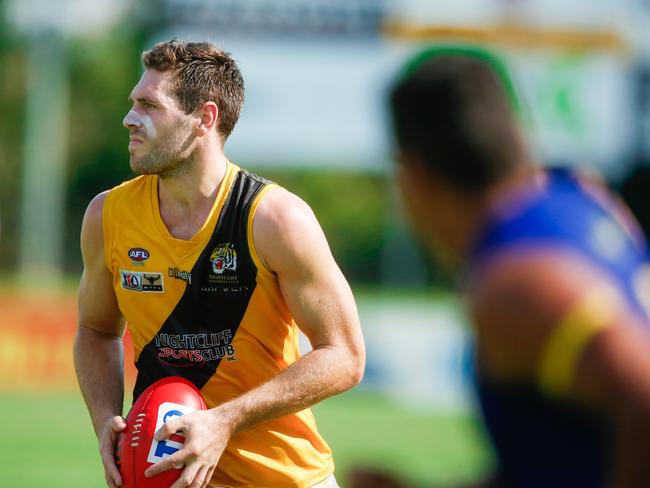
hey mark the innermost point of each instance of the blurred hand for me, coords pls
(107, 445)
(206, 436)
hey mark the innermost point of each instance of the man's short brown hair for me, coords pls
(202, 72)
(453, 112)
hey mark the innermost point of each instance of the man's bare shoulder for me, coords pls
(95, 208)
(286, 231)
(280, 209)
(518, 298)
(535, 276)
(94, 212)
(92, 229)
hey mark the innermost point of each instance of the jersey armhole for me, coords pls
(259, 263)
(106, 217)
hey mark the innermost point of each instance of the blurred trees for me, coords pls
(102, 74)
(12, 95)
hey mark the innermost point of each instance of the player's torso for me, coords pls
(540, 441)
(209, 310)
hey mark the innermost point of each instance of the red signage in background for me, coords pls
(36, 338)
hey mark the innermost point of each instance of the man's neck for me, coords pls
(186, 198)
(471, 213)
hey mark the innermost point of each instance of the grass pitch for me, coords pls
(49, 442)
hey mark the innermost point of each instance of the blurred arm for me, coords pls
(554, 320)
(98, 351)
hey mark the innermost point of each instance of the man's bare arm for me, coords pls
(98, 350)
(291, 243)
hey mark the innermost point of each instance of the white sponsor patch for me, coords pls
(160, 449)
(142, 281)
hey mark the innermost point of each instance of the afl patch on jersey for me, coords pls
(138, 256)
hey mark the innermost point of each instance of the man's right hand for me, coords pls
(107, 445)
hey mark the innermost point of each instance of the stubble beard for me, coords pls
(170, 154)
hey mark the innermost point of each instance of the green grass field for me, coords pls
(49, 443)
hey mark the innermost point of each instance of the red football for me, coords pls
(137, 450)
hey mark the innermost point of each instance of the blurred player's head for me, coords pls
(457, 137)
(188, 91)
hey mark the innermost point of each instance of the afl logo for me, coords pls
(137, 254)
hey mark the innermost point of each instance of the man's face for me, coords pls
(161, 133)
(426, 205)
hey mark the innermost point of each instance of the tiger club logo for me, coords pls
(224, 258)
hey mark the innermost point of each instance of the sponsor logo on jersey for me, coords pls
(143, 282)
(194, 349)
(138, 256)
(152, 282)
(160, 449)
(180, 275)
(130, 280)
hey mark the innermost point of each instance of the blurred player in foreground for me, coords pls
(209, 266)
(553, 273)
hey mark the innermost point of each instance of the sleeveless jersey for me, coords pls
(542, 441)
(208, 309)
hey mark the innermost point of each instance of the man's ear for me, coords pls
(208, 114)
(416, 171)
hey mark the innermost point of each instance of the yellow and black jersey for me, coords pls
(208, 309)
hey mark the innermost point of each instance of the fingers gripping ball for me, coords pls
(137, 450)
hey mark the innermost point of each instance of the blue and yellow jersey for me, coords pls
(544, 440)
(208, 309)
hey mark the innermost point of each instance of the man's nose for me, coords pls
(132, 119)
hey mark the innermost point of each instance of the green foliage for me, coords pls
(351, 206)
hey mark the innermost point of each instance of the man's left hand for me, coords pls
(206, 436)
